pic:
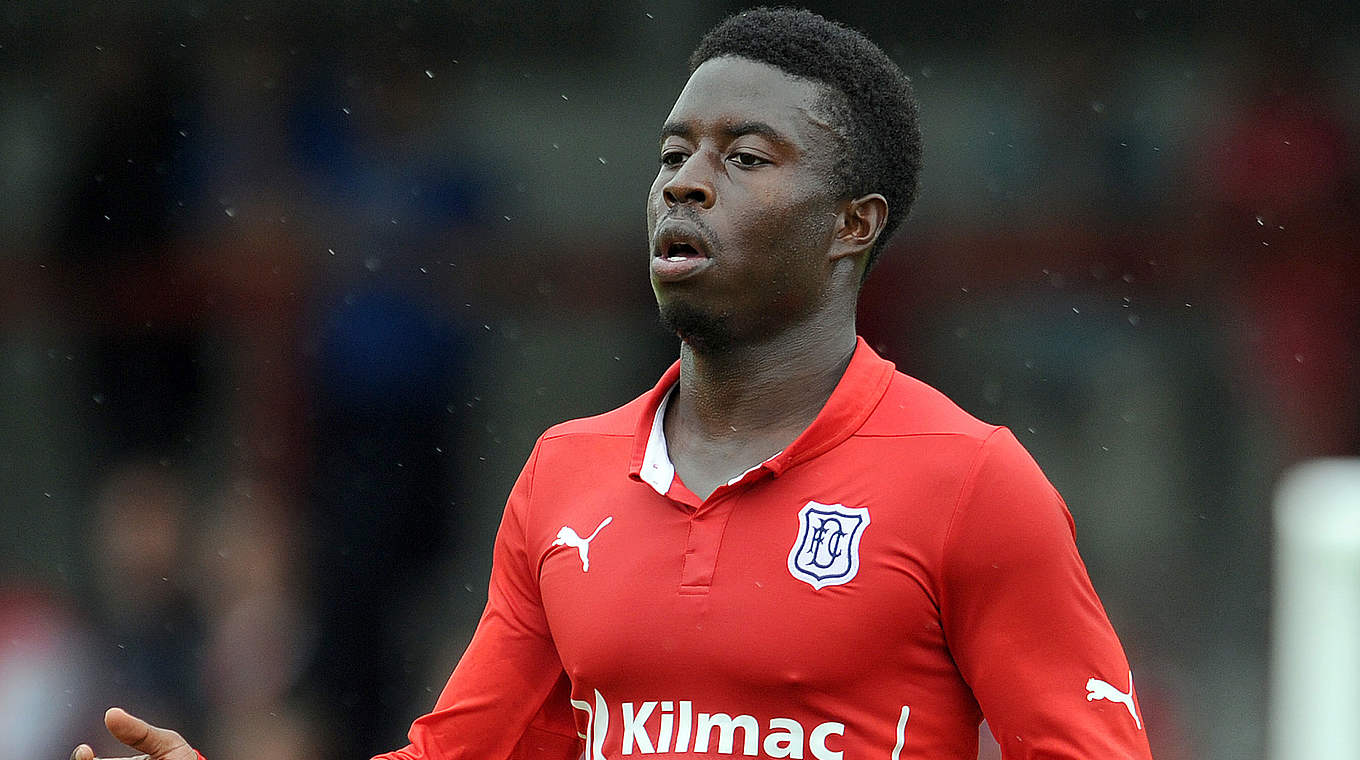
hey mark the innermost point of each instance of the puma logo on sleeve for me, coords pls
(568, 536)
(1097, 689)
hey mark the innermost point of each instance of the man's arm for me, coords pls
(1024, 623)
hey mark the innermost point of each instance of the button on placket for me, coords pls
(703, 544)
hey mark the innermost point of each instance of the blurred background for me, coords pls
(287, 291)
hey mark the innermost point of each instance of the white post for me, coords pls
(1315, 672)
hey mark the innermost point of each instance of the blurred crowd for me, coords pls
(286, 293)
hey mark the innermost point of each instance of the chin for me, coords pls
(704, 331)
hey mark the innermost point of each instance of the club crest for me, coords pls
(826, 552)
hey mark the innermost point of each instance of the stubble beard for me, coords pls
(704, 331)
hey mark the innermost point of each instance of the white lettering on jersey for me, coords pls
(727, 728)
(569, 537)
(597, 725)
(633, 730)
(648, 727)
(1098, 689)
(785, 738)
(817, 742)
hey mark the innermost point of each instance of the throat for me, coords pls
(720, 424)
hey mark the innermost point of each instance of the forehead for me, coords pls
(729, 90)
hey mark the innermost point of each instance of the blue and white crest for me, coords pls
(826, 552)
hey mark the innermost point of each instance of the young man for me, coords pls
(785, 549)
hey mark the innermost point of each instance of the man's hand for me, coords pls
(154, 743)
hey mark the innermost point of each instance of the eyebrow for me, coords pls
(730, 131)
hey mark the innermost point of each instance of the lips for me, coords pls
(679, 251)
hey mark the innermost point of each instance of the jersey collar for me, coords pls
(858, 392)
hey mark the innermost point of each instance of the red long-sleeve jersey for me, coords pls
(896, 574)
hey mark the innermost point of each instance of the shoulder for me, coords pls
(988, 463)
(909, 407)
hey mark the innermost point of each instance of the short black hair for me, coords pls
(870, 97)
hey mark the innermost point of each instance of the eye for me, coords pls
(743, 158)
(672, 157)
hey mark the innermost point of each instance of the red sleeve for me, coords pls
(1024, 624)
(508, 697)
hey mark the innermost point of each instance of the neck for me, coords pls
(767, 390)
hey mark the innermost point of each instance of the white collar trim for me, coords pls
(657, 469)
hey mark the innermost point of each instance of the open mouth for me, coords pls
(679, 255)
(679, 251)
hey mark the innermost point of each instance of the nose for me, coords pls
(689, 184)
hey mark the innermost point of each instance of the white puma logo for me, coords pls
(1098, 689)
(568, 537)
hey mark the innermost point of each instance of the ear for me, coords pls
(858, 225)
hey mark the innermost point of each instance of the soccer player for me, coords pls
(786, 548)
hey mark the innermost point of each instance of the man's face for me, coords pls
(741, 215)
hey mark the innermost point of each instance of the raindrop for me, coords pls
(1075, 310)
(1298, 358)
(231, 211)
(1134, 319)
(345, 111)
(429, 74)
(372, 263)
(601, 160)
(331, 251)
(98, 398)
(564, 96)
(1260, 221)
(1097, 106)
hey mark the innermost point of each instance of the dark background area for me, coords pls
(287, 291)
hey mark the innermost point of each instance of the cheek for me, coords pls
(655, 205)
(796, 228)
